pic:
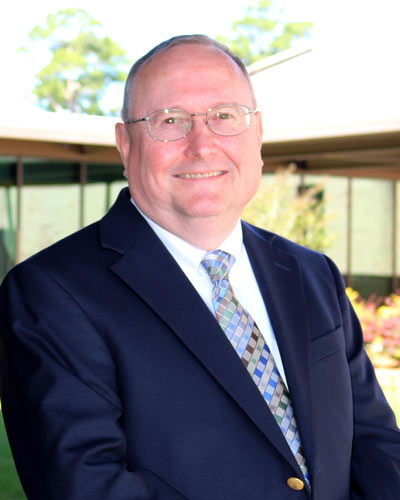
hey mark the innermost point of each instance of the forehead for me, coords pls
(189, 71)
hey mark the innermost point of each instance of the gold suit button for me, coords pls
(295, 483)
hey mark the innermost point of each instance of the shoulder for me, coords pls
(277, 242)
(72, 248)
(315, 267)
(52, 273)
(83, 249)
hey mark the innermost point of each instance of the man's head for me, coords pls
(167, 44)
(198, 185)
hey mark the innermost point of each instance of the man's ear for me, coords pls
(259, 128)
(123, 142)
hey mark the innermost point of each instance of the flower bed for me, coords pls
(380, 320)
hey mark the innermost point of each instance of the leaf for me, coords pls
(83, 62)
(259, 35)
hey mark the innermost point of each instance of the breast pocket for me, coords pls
(332, 394)
(327, 345)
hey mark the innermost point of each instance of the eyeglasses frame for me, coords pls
(146, 119)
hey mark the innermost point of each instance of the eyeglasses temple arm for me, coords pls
(136, 120)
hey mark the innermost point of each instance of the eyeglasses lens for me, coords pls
(228, 120)
(169, 124)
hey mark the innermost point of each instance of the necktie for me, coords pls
(249, 344)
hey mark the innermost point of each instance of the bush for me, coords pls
(295, 212)
(380, 320)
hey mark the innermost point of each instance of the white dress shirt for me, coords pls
(241, 277)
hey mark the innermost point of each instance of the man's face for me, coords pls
(202, 178)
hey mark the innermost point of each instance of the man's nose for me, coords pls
(200, 138)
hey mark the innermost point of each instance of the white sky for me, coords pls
(136, 25)
(347, 28)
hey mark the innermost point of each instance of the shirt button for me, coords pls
(295, 483)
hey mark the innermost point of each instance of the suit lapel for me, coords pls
(280, 281)
(160, 282)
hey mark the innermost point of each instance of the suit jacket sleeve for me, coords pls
(375, 466)
(61, 405)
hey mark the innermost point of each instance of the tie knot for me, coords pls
(217, 264)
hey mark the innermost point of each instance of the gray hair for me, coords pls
(163, 46)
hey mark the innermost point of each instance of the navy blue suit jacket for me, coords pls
(118, 383)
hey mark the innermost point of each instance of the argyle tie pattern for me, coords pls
(250, 346)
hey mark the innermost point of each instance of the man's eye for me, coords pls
(171, 120)
(224, 116)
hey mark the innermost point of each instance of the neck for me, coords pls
(205, 234)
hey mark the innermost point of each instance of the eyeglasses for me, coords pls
(169, 125)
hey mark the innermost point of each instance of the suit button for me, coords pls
(295, 483)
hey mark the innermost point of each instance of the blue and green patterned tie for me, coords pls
(250, 346)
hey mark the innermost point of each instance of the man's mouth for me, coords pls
(200, 175)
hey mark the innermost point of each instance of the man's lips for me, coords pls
(200, 175)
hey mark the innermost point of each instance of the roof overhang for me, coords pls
(60, 136)
(368, 154)
(327, 116)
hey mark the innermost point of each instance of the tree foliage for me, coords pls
(259, 34)
(297, 214)
(83, 63)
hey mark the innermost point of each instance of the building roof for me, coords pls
(62, 135)
(328, 114)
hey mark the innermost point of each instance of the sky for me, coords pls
(345, 29)
(136, 26)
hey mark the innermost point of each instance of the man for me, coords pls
(122, 378)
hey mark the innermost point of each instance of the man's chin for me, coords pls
(206, 210)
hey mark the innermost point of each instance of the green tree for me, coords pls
(83, 63)
(260, 33)
(297, 214)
